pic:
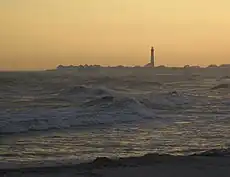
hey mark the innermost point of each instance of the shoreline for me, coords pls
(206, 159)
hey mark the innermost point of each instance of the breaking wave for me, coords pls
(85, 107)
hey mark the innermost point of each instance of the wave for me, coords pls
(99, 101)
(224, 78)
(103, 108)
(7, 81)
(221, 86)
(99, 162)
(215, 153)
(82, 89)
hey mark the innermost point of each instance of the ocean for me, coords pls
(77, 116)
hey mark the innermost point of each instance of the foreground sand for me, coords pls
(151, 165)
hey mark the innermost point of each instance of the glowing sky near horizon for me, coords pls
(39, 34)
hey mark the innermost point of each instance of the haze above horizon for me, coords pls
(43, 34)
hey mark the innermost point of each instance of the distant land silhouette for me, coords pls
(90, 67)
(150, 65)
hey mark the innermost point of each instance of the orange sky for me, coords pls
(40, 34)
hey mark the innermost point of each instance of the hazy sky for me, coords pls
(37, 34)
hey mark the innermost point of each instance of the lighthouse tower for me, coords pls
(152, 61)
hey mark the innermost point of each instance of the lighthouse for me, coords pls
(151, 64)
(152, 61)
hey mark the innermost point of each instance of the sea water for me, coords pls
(80, 115)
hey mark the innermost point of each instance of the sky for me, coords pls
(41, 34)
